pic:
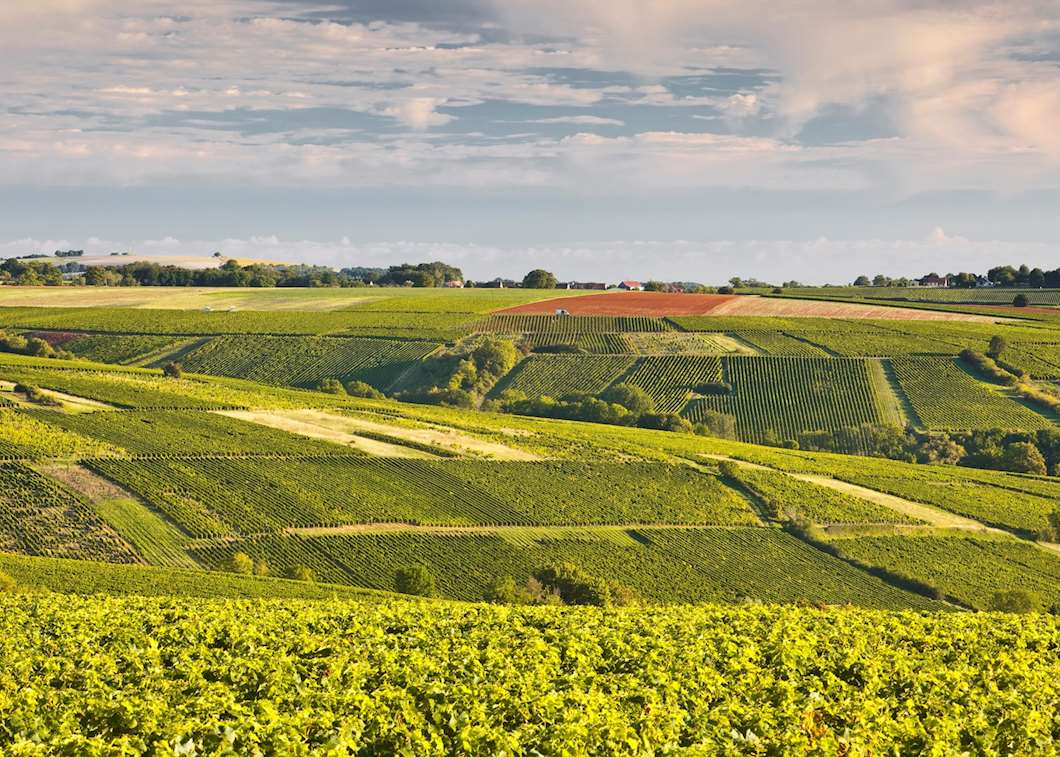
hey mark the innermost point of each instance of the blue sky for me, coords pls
(685, 139)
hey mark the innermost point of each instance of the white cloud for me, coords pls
(575, 120)
(419, 113)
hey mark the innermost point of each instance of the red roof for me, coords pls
(630, 283)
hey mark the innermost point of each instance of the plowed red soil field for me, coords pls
(627, 303)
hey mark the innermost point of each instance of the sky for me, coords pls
(601, 139)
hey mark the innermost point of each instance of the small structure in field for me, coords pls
(631, 286)
(561, 311)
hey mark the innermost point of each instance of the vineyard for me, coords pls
(560, 375)
(297, 677)
(40, 517)
(661, 565)
(786, 396)
(592, 342)
(23, 436)
(671, 380)
(944, 396)
(114, 348)
(306, 361)
(571, 324)
(213, 497)
(790, 499)
(971, 569)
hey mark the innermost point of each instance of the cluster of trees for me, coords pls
(230, 274)
(561, 584)
(621, 405)
(461, 376)
(1036, 452)
(244, 564)
(33, 346)
(1003, 276)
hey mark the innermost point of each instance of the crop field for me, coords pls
(996, 296)
(966, 567)
(40, 517)
(209, 497)
(628, 304)
(198, 323)
(560, 375)
(790, 499)
(570, 324)
(670, 380)
(790, 307)
(663, 565)
(23, 436)
(680, 343)
(306, 361)
(787, 396)
(1005, 500)
(780, 344)
(176, 433)
(945, 396)
(111, 348)
(593, 343)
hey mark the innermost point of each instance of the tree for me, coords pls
(665, 422)
(1020, 301)
(997, 346)
(862, 281)
(713, 423)
(502, 591)
(363, 389)
(539, 279)
(879, 280)
(656, 286)
(1023, 457)
(261, 568)
(241, 562)
(633, 398)
(331, 386)
(416, 580)
(1017, 601)
(173, 370)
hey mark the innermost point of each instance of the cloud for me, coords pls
(574, 120)
(419, 112)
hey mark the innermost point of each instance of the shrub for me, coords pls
(242, 563)
(1017, 601)
(302, 573)
(331, 386)
(173, 370)
(33, 393)
(714, 388)
(665, 422)
(988, 367)
(502, 591)
(576, 587)
(725, 290)
(261, 568)
(997, 346)
(1020, 301)
(7, 583)
(363, 389)
(416, 580)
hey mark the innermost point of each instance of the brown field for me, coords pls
(660, 304)
(791, 308)
(628, 303)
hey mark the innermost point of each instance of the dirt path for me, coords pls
(930, 515)
(296, 422)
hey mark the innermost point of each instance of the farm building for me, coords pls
(631, 286)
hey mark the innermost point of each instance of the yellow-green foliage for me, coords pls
(153, 676)
(23, 436)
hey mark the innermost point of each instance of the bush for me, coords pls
(7, 583)
(633, 398)
(713, 423)
(34, 394)
(1023, 457)
(997, 346)
(173, 370)
(242, 563)
(1020, 301)
(665, 422)
(714, 388)
(261, 568)
(1017, 601)
(331, 386)
(302, 573)
(576, 587)
(987, 366)
(416, 580)
(725, 290)
(502, 591)
(363, 389)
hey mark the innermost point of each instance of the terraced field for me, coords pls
(671, 380)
